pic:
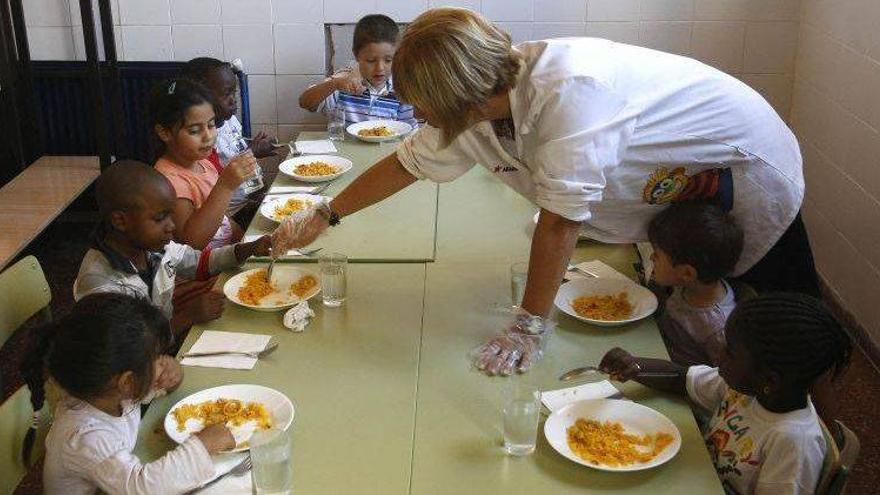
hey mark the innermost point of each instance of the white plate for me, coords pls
(399, 128)
(635, 418)
(267, 209)
(581, 233)
(278, 406)
(288, 167)
(284, 275)
(644, 302)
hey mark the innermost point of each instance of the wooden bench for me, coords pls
(35, 197)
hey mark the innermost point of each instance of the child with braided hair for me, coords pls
(764, 434)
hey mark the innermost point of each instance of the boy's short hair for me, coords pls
(122, 184)
(698, 234)
(374, 28)
(199, 69)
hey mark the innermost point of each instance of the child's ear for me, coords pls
(119, 220)
(163, 133)
(128, 385)
(687, 273)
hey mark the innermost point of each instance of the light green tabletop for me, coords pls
(400, 228)
(351, 375)
(458, 418)
(387, 402)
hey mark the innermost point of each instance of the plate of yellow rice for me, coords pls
(242, 408)
(612, 435)
(605, 302)
(315, 168)
(277, 208)
(291, 284)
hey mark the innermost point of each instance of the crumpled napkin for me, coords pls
(297, 317)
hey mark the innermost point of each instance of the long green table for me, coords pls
(387, 402)
(400, 229)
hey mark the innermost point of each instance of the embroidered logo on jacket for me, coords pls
(667, 186)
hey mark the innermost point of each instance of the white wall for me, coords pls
(282, 45)
(836, 114)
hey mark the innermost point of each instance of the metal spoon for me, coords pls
(572, 374)
(254, 354)
(271, 267)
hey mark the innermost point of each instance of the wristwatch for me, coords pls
(328, 213)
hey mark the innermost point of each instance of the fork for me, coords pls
(254, 354)
(241, 468)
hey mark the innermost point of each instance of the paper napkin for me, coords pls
(213, 341)
(597, 267)
(556, 399)
(317, 147)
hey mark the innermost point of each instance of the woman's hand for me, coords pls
(517, 348)
(299, 230)
(239, 168)
(620, 365)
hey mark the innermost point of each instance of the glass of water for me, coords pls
(520, 412)
(519, 273)
(333, 283)
(272, 463)
(336, 124)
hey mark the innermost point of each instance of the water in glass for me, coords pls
(272, 466)
(336, 125)
(520, 414)
(333, 279)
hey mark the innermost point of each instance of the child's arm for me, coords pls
(259, 247)
(196, 227)
(346, 81)
(184, 468)
(623, 366)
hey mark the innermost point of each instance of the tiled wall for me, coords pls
(836, 114)
(282, 45)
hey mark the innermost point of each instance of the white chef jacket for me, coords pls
(609, 134)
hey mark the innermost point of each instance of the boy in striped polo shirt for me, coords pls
(365, 91)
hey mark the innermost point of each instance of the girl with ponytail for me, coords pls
(106, 357)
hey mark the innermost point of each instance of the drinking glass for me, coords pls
(333, 282)
(336, 124)
(254, 182)
(272, 464)
(520, 412)
(519, 273)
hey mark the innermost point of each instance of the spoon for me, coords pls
(254, 354)
(271, 267)
(572, 374)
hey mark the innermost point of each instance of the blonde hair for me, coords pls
(451, 60)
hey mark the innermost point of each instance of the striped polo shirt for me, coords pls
(372, 104)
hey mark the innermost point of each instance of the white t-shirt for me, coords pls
(226, 145)
(88, 449)
(609, 134)
(756, 451)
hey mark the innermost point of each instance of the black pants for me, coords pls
(788, 266)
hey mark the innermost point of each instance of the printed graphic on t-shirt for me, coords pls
(503, 168)
(668, 186)
(729, 441)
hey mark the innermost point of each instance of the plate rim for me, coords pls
(227, 290)
(169, 421)
(558, 303)
(375, 139)
(653, 463)
(315, 178)
(279, 197)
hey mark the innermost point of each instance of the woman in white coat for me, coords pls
(601, 136)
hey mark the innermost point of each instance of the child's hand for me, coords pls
(262, 145)
(239, 168)
(349, 82)
(621, 365)
(216, 437)
(208, 306)
(259, 247)
(169, 373)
